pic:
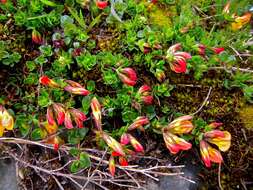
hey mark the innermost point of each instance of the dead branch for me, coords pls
(95, 176)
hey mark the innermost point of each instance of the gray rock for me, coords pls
(188, 181)
(8, 180)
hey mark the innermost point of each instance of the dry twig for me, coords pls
(96, 177)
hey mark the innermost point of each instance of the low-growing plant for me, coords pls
(108, 75)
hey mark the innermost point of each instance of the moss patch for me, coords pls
(246, 114)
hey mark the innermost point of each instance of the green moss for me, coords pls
(161, 16)
(246, 115)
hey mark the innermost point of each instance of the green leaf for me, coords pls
(85, 160)
(91, 85)
(46, 50)
(128, 115)
(86, 61)
(110, 77)
(78, 17)
(31, 79)
(86, 103)
(49, 3)
(74, 151)
(77, 135)
(75, 166)
(38, 134)
(30, 65)
(44, 99)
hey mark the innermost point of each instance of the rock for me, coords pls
(8, 180)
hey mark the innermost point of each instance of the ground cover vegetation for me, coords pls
(112, 93)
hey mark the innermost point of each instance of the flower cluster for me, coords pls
(63, 115)
(183, 125)
(125, 139)
(129, 77)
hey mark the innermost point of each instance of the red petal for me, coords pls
(101, 4)
(144, 88)
(50, 116)
(123, 161)
(44, 80)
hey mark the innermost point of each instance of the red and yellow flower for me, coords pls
(222, 139)
(56, 141)
(127, 76)
(138, 123)
(60, 113)
(45, 80)
(181, 125)
(75, 88)
(144, 93)
(96, 112)
(36, 37)
(177, 59)
(240, 21)
(113, 144)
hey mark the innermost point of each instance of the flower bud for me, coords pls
(50, 116)
(160, 75)
(145, 94)
(226, 8)
(67, 122)
(60, 113)
(96, 112)
(124, 140)
(48, 82)
(137, 146)
(36, 37)
(127, 76)
(113, 144)
(139, 122)
(112, 167)
(218, 50)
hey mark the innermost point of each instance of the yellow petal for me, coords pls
(236, 26)
(1, 130)
(51, 129)
(222, 142)
(7, 120)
